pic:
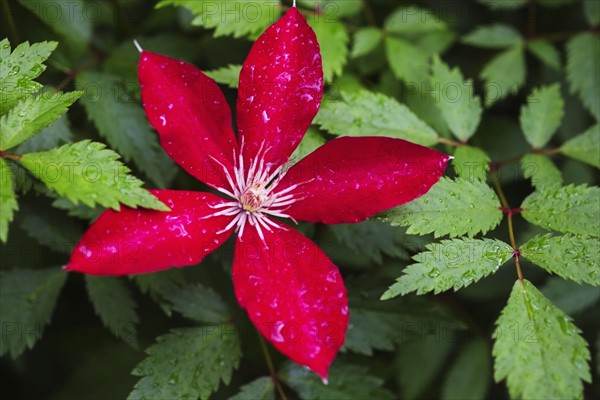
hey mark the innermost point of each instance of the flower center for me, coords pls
(254, 194)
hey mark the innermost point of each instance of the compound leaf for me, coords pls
(451, 207)
(569, 256)
(546, 52)
(259, 389)
(408, 62)
(569, 209)
(450, 264)
(8, 199)
(583, 64)
(229, 75)
(365, 41)
(333, 39)
(371, 114)
(541, 170)
(188, 363)
(471, 163)
(504, 74)
(538, 349)
(413, 20)
(87, 172)
(496, 36)
(197, 302)
(585, 147)
(542, 115)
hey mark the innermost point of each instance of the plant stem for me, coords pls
(269, 362)
(10, 156)
(369, 15)
(450, 142)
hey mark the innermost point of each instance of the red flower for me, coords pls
(293, 293)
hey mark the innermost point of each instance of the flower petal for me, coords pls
(281, 86)
(294, 295)
(135, 241)
(352, 178)
(191, 115)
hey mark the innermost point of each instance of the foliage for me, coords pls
(510, 89)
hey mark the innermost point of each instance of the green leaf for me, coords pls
(197, 302)
(542, 114)
(569, 209)
(333, 39)
(239, 18)
(592, 11)
(585, 147)
(333, 8)
(569, 256)
(495, 36)
(538, 349)
(262, 388)
(450, 264)
(122, 121)
(541, 170)
(17, 69)
(32, 115)
(460, 108)
(365, 41)
(413, 20)
(77, 210)
(158, 284)
(87, 172)
(69, 19)
(407, 61)
(503, 4)
(188, 363)
(435, 42)
(504, 74)
(345, 381)
(471, 163)
(229, 75)
(53, 136)
(371, 114)
(583, 64)
(418, 362)
(8, 199)
(27, 300)
(546, 52)
(453, 208)
(114, 305)
(569, 296)
(470, 373)
(311, 141)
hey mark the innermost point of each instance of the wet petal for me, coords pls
(352, 178)
(294, 295)
(190, 114)
(281, 86)
(135, 241)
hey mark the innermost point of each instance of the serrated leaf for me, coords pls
(471, 163)
(569, 296)
(345, 381)
(541, 170)
(453, 208)
(569, 256)
(371, 114)
(57, 133)
(259, 389)
(188, 363)
(592, 11)
(585, 147)
(69, 19)
(31, 115)
(27, 300)
(114, 305)
(495, 36)
(237, 18)
(583, 64)
(459, 106)
(77, 210)
(542, 115)
(413, 20)
(408, 62)
(503, 4)
(123, 123)
(569, 209)
(158, 284)
(365, 41)
(450, 264)
(87, 172)
(435, 42)
(418, 362)
(504, 74)
(17, 69)
(546, 52)
(229, 75)
(8, 199)
(470, 373)
(538, 349)
(197, 302)
(333, 40)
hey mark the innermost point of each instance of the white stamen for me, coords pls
(137, 46)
